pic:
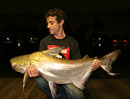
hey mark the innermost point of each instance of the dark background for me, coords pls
(100, 26)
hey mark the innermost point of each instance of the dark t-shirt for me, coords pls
(71, 44)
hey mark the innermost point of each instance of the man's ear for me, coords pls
(62, 22)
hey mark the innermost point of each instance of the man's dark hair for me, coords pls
(59, 13)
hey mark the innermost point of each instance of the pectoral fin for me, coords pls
(25, 80)
(53, 89)
(79, 84)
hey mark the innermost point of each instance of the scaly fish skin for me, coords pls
(61, 71)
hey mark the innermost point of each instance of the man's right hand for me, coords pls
(32, 71)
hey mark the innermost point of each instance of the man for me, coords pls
(55, 19)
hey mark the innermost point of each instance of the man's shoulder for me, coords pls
(72, 39)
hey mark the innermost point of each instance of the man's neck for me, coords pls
(60, 35)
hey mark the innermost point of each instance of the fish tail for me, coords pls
(107, 60)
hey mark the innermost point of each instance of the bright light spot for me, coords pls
(31, 38)
(99, 38)
(8, 38)
(18, 44)
(99, 45)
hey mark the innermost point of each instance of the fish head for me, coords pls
(20, 63)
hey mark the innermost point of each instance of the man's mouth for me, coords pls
(50, 30)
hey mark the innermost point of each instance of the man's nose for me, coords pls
(48, 26)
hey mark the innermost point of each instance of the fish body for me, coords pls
(61, 71)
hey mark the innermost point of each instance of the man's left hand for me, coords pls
(96, 64)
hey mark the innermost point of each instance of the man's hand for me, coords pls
(32, 71)
(96, 64)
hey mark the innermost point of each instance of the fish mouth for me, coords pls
(13, 64)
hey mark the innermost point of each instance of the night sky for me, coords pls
(113, 14)
(36, 7)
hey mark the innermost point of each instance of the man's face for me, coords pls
(53, 25)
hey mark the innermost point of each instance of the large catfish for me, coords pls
(61, 71)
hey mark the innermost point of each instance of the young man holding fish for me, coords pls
(55, 19)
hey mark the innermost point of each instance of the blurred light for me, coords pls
(115, 46)
(99, 44)
(31, 38)
(114, 41)
(99, 38)
(125, 41)
(18, 44)
(8, 38)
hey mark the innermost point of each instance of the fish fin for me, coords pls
(52, 88)
(25, 79)
(81, 82)
(85, 57)
(107, 60)
(53, 51)
(109, 71)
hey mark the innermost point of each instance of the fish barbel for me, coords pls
(61, 71)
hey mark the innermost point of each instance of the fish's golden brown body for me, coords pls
(61, 71)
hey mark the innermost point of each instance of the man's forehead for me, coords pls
(51, 18)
